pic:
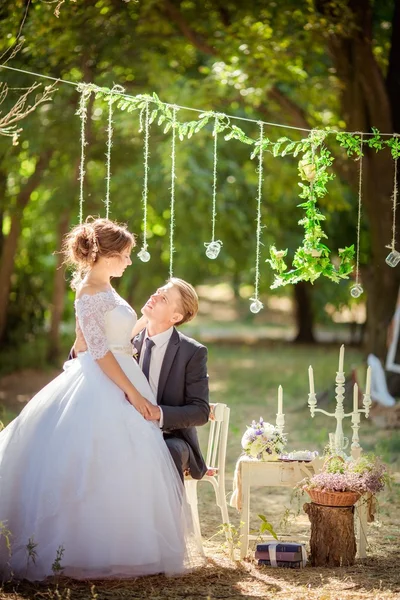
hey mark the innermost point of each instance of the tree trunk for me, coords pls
(10, 243)
(236, 280)
(3, 188)
(58, 300)
(304, 313)
(332, 543)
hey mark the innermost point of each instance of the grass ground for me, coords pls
(247, 379)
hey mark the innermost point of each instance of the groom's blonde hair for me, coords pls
(189, 299)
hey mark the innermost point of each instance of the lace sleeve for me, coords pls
(91, 311)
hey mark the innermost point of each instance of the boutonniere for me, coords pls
(135, 353)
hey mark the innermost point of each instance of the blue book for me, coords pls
(281, 563)
(284, 547)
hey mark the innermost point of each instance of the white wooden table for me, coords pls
(281, 474)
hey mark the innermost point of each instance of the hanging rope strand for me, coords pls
(256, 305)
(259, 195)
(393, 259)
(395, 194)
(146, 172)
(117, 89)
(360, 180)
(214, 193)
(356, 290)
(172, 203)
(82, 112)
(108, 155)
(143, 254)
(213, 248)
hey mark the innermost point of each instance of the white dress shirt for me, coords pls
(156, 360)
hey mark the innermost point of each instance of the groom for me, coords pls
(176, 368)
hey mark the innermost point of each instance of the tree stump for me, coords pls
(333, 542)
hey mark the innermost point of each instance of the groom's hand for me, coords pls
(154, 413)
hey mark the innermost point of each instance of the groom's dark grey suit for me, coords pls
(183, 394)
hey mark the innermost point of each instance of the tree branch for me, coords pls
(21, 110)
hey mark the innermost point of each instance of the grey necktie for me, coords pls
(147, 356)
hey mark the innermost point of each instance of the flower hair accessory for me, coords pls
(95, 248)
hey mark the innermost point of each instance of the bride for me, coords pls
(86, 482)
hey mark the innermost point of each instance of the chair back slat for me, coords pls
(211, 436)
(223, 441)
(218, 436)
(216, 444)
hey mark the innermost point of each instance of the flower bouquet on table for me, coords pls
(263, 441)
(342, 483)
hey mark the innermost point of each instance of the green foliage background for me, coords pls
(231, 62)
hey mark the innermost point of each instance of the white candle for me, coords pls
(355, 398)
(280, 400)
(311, 379)
(341, 358)
(368, 382)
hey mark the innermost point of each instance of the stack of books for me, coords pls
(290, 555)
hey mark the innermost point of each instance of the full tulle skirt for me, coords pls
(88, 487)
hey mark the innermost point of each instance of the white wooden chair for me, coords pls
(215, 461)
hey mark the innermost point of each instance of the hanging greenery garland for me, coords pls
(311, 260)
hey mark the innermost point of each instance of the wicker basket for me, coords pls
(329, 498)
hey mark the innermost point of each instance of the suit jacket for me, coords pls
(183, 393)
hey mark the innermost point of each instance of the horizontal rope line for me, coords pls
(256, 121)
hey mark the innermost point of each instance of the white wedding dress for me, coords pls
(84, 476)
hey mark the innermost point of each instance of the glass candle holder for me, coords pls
(256, 306)
(393, 258)
(356, 290)
(213, 249)
(144, 255)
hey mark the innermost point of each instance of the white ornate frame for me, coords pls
(391, 355)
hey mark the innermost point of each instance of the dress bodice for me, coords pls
(106, 321)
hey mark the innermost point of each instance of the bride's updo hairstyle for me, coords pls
(95, 238)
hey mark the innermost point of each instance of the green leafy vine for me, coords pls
(311, 259)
